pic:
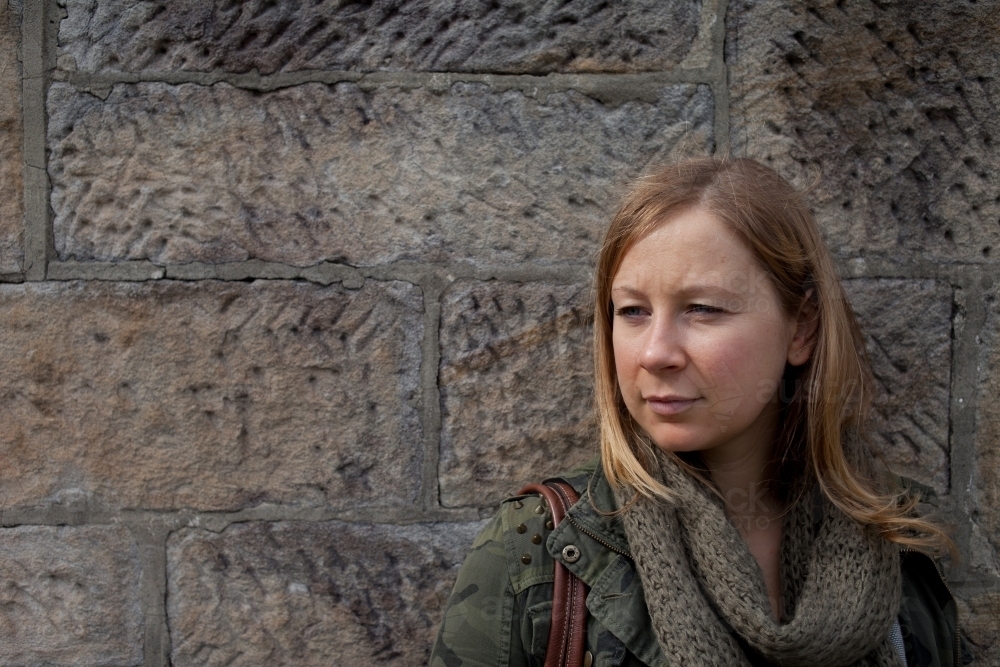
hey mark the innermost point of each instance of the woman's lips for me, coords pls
(669, 405)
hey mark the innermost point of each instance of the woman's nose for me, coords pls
(663, 348)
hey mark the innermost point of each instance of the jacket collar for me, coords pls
(616, 598)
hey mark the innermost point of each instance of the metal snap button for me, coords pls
(571, 553)
(588, 659)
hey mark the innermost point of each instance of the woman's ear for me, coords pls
(803, 341)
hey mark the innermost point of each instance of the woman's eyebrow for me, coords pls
(709, 289)
(687, 291)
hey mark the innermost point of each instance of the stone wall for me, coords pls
(294, 293)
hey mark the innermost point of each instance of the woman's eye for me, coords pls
(702, 309)
(628, 311)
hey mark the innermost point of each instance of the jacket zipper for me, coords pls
(957, 657)
(597, 539)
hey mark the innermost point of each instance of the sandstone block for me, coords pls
(985, 518)
(516, 380)
(292, 593)
(907, 328)
(11, 139)
(979, 618)
(70, 596)
(523, 36)
(210, 396)
(192, 173)
(891, 105)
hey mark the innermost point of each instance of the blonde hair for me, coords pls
(828, 399)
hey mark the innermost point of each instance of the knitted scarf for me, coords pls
(706, 593)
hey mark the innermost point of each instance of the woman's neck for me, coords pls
(756, 513)
(741, 477)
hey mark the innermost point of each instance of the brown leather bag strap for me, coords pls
(568, 629)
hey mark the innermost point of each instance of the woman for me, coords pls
(737, 515)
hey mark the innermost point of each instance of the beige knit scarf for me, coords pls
(706, 593)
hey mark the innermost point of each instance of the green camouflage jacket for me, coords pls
(498, 614)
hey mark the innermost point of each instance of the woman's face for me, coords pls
(700, 339)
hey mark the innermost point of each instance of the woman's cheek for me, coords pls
(739, 369)
(626, 358)
(730, 374)
(627, 367)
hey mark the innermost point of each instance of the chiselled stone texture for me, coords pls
(890, 107)
(292, 593)
(907, 329)
(210, 395)
(516, 377)
(979, 619)
(70, 596)
(11, 137)
(516, 381)
(985, 517)
(519, 36)
(314, 172)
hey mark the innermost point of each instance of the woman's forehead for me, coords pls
(694, 244)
